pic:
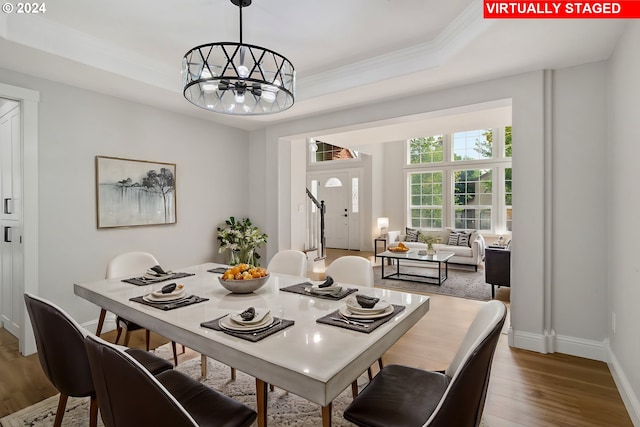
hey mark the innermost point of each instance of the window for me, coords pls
(426, 199)
(355, 195)
(473, 198)
(460, 180)
(473, 145)
(507, 198)
(426, 150)
(324, 152)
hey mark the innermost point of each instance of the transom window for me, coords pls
(426, 150)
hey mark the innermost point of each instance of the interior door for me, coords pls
(334, 190)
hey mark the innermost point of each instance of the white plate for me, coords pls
(150, 298)
(345, 311)
(227, 323)
(166, 297)
(259, 317)
(158, 295)
(354, 307)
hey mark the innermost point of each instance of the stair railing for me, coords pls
(315, 225)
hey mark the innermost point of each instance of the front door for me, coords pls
(334, 189)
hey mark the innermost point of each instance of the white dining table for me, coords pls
(312, 360)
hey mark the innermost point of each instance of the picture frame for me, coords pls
(133, 193)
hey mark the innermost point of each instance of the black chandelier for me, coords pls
(238, 78)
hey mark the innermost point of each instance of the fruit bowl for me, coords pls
(243, 286)
(398, 249)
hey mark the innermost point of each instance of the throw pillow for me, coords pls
(463, 239)
(453, 239)
(412, 235)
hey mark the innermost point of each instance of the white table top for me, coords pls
(313, 360)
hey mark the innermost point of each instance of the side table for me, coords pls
(375, 246)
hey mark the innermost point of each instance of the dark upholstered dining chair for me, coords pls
(62, 354)
(129, 396)
(400, 396)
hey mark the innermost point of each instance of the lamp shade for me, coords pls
(383, 222)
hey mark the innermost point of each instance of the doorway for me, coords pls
(25, 236)
(340, 192)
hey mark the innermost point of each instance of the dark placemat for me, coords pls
(170, 305)
(249, 335)
(366, 329)
(218, 270)
(303, 289)
(141, 281)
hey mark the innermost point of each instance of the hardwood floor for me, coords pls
(526, 388)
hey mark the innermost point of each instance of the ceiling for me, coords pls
(346, 53)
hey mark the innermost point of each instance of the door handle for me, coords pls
(7, 236)
(6, 206)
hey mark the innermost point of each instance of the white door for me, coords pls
(11, 256)
(334, 189)
(11, 273)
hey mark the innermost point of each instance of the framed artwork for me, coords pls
(132, 193)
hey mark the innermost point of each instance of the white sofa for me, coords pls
(473, 255)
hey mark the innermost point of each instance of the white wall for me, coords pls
(578, 248)
(623, 205)
(76, 125)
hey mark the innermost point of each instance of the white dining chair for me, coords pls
(353, 270)
(123, 265)
(290, 262)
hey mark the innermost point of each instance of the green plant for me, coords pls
(241, 237)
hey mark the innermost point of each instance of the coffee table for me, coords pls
(441, 258)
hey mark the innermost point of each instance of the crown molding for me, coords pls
(432, 54)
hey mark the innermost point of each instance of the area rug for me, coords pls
(285, 409)
(463, 283)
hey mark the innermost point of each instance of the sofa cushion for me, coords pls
(453, 238)
(463, 251)
(413, 235)
(463, 239)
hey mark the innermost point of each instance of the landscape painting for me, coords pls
(134, 192)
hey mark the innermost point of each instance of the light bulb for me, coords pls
(205, 74)
(243, 71)
(209, 87)
(268, 96)
(239, 98)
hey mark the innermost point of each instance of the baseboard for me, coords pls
(624, 388)
(589, 349)
(527, 341)
(552, 343)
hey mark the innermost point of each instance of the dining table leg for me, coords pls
(326, 415)
(261, 402)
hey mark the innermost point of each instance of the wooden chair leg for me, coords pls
(93, 412)
(127, 337)
(271, 387)
(175, 353)
(147, 335)
(370, 374)
(62, 404)
(380, 364)
(203, 365)
(233, 374)
(354, 389)
(103, 314)
(119, 329)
